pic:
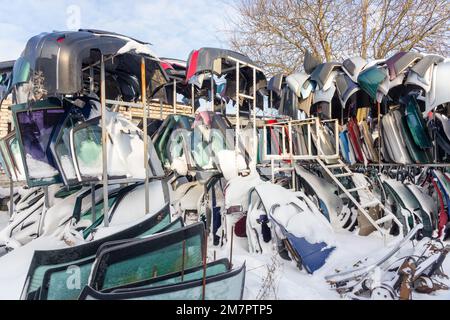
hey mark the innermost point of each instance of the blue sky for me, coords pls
(174, 27)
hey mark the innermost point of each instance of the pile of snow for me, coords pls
(238, 188)
(4, 192)
(39, 169)
(67, 165)
(230, 164)
(132, 207)
(179, 165)
(15, 265)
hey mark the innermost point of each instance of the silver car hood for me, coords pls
(393, 139)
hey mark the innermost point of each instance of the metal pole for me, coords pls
(144, 121)
(192, 99)
(435, 146)
(104, 142)
(295, 105)
(236, 148)
(380, 140)
(174, 96)
(336, 133)
(91, 79)
(291, 152)
(264, 142)
(212, 92)
(255, 138)
(271, 99)
(309, 139)
(204, 268)
(319, 148)
(94, 215)
(11, 197)
(272, 169)
(231, 246)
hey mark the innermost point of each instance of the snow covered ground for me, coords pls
(285, 281)
(291, 283)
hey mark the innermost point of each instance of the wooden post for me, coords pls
(212, 92)
(144, 121)
(175, 96)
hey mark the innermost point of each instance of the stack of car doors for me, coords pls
(408, 87)
(58, 137)
(195, 150)
(407, 207)
(58, 130)
(405, 137)
(418, 196)
(71, 152)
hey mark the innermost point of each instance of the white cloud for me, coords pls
(174, 27)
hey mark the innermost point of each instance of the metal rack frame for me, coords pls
(103, 103)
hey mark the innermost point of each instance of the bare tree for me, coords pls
(276, 33)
